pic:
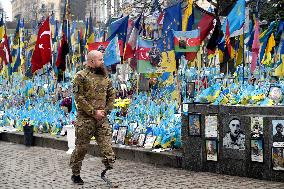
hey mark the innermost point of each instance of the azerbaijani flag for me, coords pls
(188, 41)
(144, 46)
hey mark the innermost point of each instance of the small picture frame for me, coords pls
(190, 89)
(194, 124)
(275, 93)
(256, 146)
(277, 159)
(121, 134)
(256, 127)
(278, 133)
(211, 126)
(211, 147)
(141, 140)
(149, 141)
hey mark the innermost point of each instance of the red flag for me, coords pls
(227, 39)
(63, 50)
(96, 45)
(5, 50)
(205, 25)
(42, 52)
(255, 46)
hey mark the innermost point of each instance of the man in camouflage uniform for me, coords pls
(94, 98)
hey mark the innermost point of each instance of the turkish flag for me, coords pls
(143, 53)
(5, 50)
(42, 52)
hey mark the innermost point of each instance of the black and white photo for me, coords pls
(234, 137)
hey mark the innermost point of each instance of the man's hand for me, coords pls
(100, 114)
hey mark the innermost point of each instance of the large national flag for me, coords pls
(5, 48)
(18, 44)
(152, 60)
(119, 28)
(112, 54)
(172, 18)
(236, 17)
(188, 41)
(172, 21)
(255, 46)
(42, 52)
(205, 25)
(132, 42)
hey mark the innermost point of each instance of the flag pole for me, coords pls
(243, 54)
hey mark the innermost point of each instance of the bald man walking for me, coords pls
(94, 98)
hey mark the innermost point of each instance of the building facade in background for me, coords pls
(101, 10)
(32, 10)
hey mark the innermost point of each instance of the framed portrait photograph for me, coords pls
(278, 134)
(256, 149)
(121, 134)
(256, 127)
(190, 88)
(275, 94)
(277, 159)
(141, 140)
(194, 124)
(234, 137)
(211, 126)
(211, 150)
(149, 141)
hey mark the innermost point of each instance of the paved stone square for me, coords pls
(35, 167)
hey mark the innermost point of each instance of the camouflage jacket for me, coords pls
(92, 92)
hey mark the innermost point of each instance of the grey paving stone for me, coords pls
(40, 168)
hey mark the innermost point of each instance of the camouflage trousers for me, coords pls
(85, 129)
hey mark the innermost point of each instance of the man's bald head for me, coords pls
(95, 59)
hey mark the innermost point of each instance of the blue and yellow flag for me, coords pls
(236, 17)
(112, 53)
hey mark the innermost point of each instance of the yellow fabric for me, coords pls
(2, 32)
(270, 44)
(168, 63)
(268, 59)
(187, 13)
(240, 51)
(91, 38)
(279, 71)
(221, 56)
